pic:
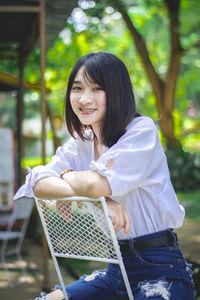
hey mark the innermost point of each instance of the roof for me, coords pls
(19, 26)
(57, 13)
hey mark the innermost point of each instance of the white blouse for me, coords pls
(138, 176)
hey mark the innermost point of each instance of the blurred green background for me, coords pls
(159, 41)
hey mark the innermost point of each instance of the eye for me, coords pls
(97, 88)
(76, 88)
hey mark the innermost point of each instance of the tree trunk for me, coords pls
(164, 90)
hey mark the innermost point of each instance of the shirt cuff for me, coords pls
(33, 176)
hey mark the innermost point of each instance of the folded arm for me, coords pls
(92, 184)
(52, 187)
(84, 183)
(88, 183)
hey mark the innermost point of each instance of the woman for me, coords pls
(116, 153)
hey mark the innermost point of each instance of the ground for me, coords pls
(31, 285)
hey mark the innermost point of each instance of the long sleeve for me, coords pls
(133, 158)
(63, 159)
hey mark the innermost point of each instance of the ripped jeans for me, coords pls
(159, 273)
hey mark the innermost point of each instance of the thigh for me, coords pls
(96, 286)
(160, 274)
(162, 289)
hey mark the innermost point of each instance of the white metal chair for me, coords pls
(80, 228)
(21, 213)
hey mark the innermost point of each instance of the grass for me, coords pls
(191, 202)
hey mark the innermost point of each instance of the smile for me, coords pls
(87, 110)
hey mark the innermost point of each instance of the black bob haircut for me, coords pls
(111, 74)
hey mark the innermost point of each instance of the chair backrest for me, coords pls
(79, 227)
(23, 208)
(21, 211)
(72, 229)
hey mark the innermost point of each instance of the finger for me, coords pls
(115, 223)
(127, 224)
(115, 228)
(118, 222)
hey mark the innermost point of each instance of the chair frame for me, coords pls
(21, 211)
(113, 238)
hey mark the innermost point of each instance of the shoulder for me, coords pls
(142, 122)
(141, 133)
(142, 128)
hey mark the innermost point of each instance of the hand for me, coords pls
(119, 216)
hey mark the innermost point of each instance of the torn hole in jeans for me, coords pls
(152, 288)
(94, 275)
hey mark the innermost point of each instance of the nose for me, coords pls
(86, 97)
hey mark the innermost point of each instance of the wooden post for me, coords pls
(42, 67)
(19, 120)
(43, 109)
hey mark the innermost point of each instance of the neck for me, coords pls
(97, 133)
(98, 148)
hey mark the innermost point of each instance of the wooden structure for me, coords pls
(23, 24)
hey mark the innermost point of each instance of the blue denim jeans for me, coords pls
(159, 273)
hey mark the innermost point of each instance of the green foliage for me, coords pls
(196, 273)
(184, 169)
(191, 202)
(32, 68)
(79, 267)
(9, 65)
(105, 30)
(33, 161)
(151, 19)
(7, 110)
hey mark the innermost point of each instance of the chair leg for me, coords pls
(6, 269)
(22, 264)
(4, 264)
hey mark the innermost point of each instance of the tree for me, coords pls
(151, 29)
(164, 87)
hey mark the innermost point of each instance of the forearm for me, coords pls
(88, 183)
(53, 187)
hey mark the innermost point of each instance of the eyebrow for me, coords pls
(79, 82)
(76, 81)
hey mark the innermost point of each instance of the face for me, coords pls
(88, 101)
